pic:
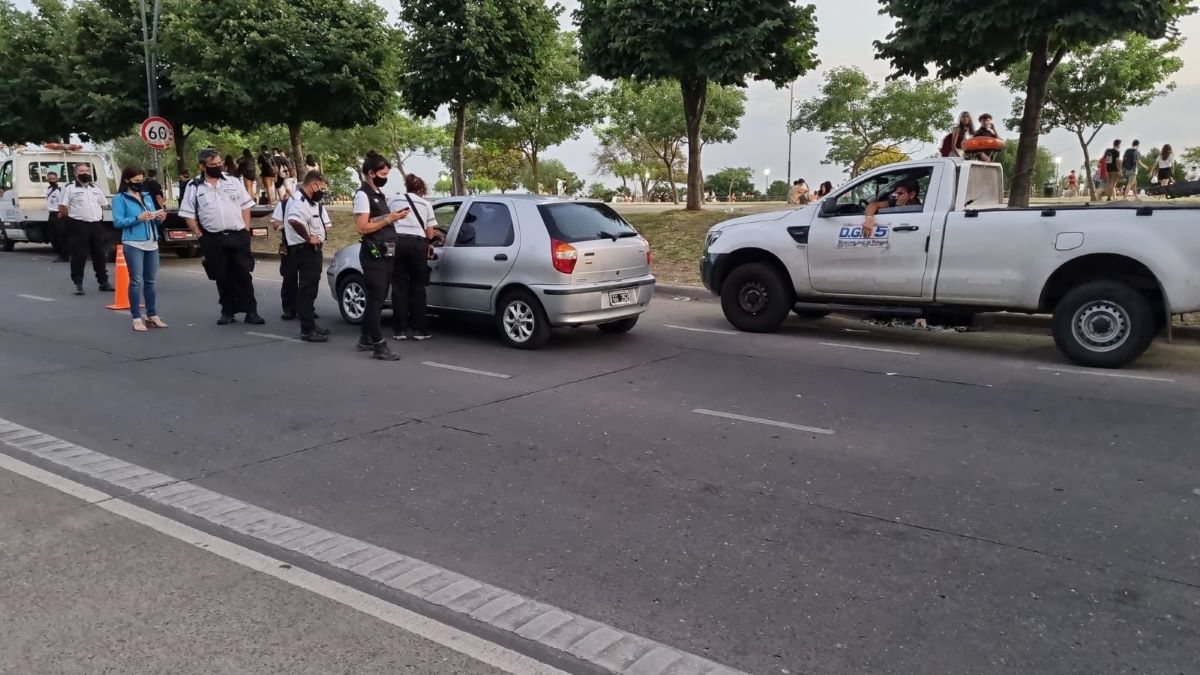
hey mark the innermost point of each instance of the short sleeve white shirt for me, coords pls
(410, 224)
(53, 198)
(277, 214)
(313, 217)
(219, 208)
(84, 202)
(361, 203)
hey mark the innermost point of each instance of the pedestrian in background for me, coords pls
(1131, 161)
(155, 189)
(798, 194)
(138, 216)
(82, 204)
(411, 272)
(824, 190)
(1111, 169)
(246, 171)
(217, 209)
(185, 177)
(305, 225)
(987, 129)
(310, 164)
(54, 220)
(375, 221)
(231, 166)
(1166, 166)
(266, 174)
(285, 174)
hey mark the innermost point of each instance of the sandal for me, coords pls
(156, 322)
(139, 325)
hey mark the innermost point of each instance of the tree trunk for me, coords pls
(533, 168)
(1087, 167)
(671, 180)
(1040, 69)
(695, 97)
(297, 150)
(181, 140)
(400, 164)
(458, 175)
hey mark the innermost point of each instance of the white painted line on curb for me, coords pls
(701, 330)
(272, 336)
(1097, 373)
(34, 297)
(759, 420)
(602, 645)
(463, 369)
(460, 641)
(870, 349)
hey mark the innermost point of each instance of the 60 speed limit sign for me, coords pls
(157, 133)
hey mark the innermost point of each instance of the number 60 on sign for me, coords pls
(157, 133)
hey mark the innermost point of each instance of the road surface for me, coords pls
(834, 498)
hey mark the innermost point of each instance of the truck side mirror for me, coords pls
(829, 207)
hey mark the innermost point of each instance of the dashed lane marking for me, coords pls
(701, 330)
(463, 369)
(870, 349)
(34, 297)
(607, 647)
(760, 420)
(1100, 373)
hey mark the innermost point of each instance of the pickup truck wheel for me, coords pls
(755, 298)
(352, 298)
(1104, 324)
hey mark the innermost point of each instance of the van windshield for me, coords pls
(572, 222)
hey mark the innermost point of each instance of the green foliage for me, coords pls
(1148, 172)
(26, 113)
(1190, 156)
(481, 185)
(503, 166)
(552, 170)
(883, 157)
(1043, 168)
(778, 189)
(696, 43)
(862, 119)
(443, 185)
(600, 191)
(732, 180)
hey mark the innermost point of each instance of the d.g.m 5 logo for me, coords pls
(851, 236)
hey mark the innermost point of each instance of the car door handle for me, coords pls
(500, 257)
(905, 228)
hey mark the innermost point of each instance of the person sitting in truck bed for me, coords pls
(906, 193)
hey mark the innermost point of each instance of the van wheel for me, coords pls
(619, 326)
(352, 298)
(1104, 324)
(755, 298)
(522, 321)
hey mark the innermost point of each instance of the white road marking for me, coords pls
(501, 609)
(34, 297)
(855, 330)
(759, 420)
(870, 349)
(460, 641)
(1098, 373)
(272, 336)
(463, 369)
(701, 330)
(205, 274)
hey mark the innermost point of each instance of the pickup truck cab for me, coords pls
(1111, 275)
(23, 215)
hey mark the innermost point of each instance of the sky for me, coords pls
(847, 29)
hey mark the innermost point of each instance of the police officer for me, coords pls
(55, 221)
(306, 222)
(216, 207)
(82, 204)
(376, 223)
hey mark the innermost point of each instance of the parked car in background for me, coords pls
(531, 262)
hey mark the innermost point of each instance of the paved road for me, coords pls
(833, 498)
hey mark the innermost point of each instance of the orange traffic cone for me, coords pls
(121, 294)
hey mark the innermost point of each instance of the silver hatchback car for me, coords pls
(529, 261)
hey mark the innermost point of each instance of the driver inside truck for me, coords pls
(906, 193)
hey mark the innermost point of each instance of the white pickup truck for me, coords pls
(23, 215)
(1112, 275)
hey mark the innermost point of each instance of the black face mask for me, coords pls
(379, 181)
(317, 196)
(84, 178)
(53, 183)
(214, 171)
(136, 185)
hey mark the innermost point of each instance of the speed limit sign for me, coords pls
(157, 133)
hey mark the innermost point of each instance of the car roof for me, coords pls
(525, 197)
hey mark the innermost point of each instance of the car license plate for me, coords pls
(258, 231)
(176, 235)
(620, 298)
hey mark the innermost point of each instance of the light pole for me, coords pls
(1057, 164)
(646, 186)
(766, 182)
(791, 108)
(150, 46)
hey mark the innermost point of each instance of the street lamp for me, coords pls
(766, 181)
(646, 186)
(1057, 163)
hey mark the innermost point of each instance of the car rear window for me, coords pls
(575, 221)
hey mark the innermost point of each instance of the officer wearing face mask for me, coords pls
(306, 222)
(82, 204)
(375, 222)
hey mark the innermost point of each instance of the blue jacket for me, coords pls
(126, 209)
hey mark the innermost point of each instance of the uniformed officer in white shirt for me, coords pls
(410, 275)
(82, 204)
(305, 225)
(56, 223)
(216, 207)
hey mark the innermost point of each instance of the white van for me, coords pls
(23, 215)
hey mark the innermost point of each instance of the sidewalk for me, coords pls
(87, 591)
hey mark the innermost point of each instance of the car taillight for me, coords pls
(564, 256)
(649, 255)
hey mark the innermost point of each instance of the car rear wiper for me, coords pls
(610, 235)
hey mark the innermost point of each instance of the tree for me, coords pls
(552, 171)
(861, 118)
(472, 52)
(778, 189)
(601, 191)
(1043, 166)
(26, 41)
(647, 116)
(884, 156)
(732, 181)
(696, 43)
(503, 166)
(948, 35)
(623, 155)
(1094, 86)
(555, 111)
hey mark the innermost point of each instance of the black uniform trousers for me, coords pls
(410, 275)
(228, 261)
(58, 234)
(306, 261)
(287, 270)
(377, 278)
(88, 240)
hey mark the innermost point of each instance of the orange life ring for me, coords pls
(71, 147)
(982, 144)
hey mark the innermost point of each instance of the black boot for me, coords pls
(381, 352)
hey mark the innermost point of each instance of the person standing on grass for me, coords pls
(1131, 161)
(1112, 169)
(266, 174)
(305, 225)
(217, 210)
(57, 224)
(82, 204)
(1166, 166)
(138, 216)
(245, 170)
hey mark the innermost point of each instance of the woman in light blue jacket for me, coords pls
(135, 213)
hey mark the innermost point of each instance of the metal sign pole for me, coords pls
(149, 46)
